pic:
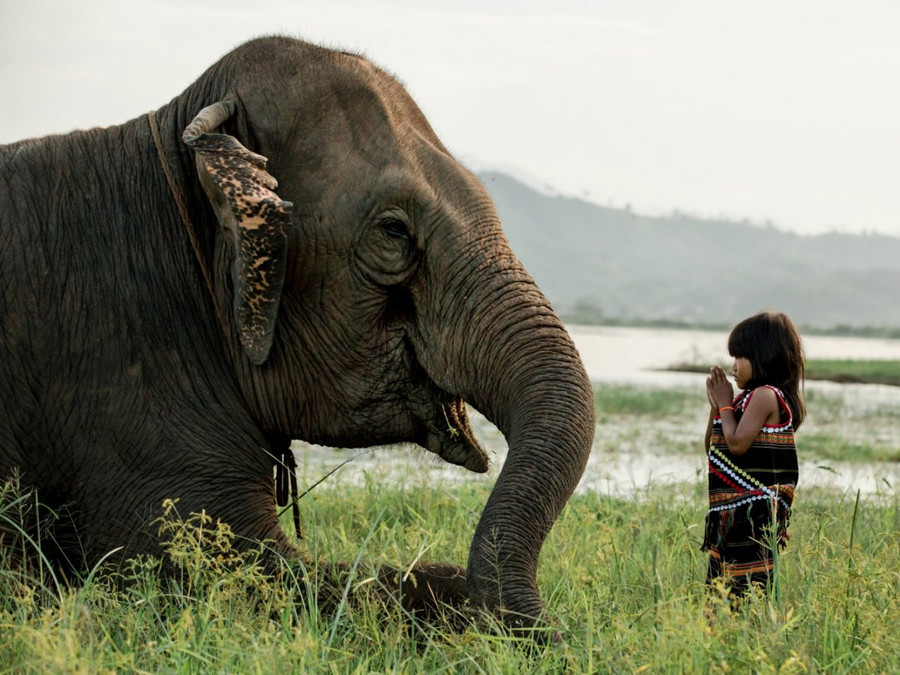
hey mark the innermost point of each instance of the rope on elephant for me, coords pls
(286, 484)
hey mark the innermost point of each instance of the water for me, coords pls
(625, 461)
(636, 355)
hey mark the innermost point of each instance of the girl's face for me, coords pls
(742, 372)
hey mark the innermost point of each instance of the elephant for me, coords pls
(285, 250)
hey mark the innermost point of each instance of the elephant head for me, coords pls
(369, 291)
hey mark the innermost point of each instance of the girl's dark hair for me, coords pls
(771, 343)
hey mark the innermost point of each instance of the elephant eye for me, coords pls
(387, 249)
(396, 229)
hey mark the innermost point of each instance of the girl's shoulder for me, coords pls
(770, 397)
(763, 394)
(775, 391)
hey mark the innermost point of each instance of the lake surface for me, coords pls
(622, 462)
(637, 354)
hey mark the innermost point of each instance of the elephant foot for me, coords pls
(429, 594)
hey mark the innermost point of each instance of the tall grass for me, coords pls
(623, 580)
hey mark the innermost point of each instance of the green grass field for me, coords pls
(621, 578)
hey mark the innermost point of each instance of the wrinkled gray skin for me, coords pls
(363, 314)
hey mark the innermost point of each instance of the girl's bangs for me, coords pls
(739, 343)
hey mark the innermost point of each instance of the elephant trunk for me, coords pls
(549, 433)
(523, 372)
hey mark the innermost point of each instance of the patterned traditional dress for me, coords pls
(748, 494)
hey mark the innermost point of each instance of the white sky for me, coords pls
(786, 111)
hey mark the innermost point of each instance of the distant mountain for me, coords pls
(598, 262)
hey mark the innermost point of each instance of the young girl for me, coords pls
(751, 450)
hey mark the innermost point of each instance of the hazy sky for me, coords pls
(787, 111)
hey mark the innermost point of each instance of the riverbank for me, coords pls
(847, 371)
(649, 437)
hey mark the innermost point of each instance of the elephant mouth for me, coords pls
(448, 434)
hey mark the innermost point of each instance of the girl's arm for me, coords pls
(762, 408)
(713, 406)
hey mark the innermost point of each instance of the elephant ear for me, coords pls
(256, 219)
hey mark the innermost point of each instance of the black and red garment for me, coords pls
(750, 498)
